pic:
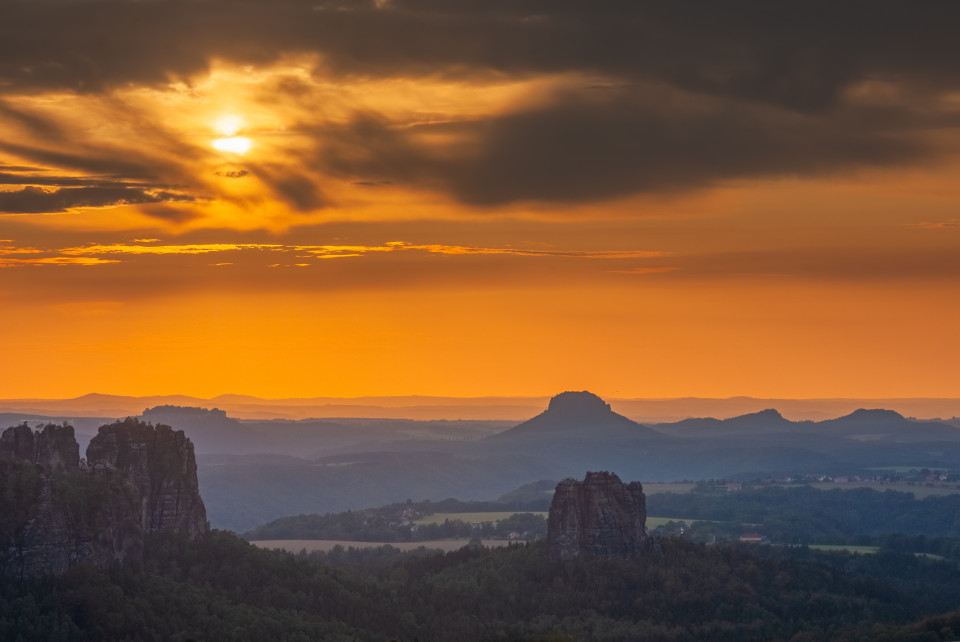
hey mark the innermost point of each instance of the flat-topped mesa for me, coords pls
(160, 463)
(598, 517)
(578, 403)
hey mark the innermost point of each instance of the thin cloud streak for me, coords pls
(332, 251)
(85, 261)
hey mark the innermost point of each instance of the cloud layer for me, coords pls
(647, 97)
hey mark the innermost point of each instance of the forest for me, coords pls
(219, 587)
(805, 515)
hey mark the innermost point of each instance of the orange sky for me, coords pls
(480, 198)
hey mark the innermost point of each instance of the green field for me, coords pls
(863, 550)
(439, 518)
(654, 522)
(652, 488)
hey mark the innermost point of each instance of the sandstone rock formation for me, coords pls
(160, 463)
(55, 514)
(599, 517)
(53, 447)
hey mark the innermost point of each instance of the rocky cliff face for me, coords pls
(600, 517)
(55, 514)
(160, 463)
(53, 447)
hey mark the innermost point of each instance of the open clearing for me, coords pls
(652, 488)
(653, 522)
(327, 545)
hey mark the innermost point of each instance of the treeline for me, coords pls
(395, 523)
(218, 587)
(805, 515)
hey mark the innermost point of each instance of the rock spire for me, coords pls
(598, 517)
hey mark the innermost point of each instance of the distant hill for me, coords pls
(577, 415)
(213, 432)
(246, 407)
(764, 421)
(498, 408)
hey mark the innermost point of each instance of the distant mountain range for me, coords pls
(254, 470)
(499, 408)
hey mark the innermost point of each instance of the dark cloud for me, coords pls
(31, 200)
(802, 55)
(113, 162)
(683, 94)
(8, 178)
(298, 190)
(582, 149)
(232, 173)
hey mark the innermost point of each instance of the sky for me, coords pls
(479, 197)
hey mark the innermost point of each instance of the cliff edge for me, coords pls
(160, 464)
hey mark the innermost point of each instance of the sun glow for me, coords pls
(229, 125)
(233, 145)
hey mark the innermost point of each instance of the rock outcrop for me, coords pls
(598, 517)
(160, 463)
(55, 513)
(53, 447)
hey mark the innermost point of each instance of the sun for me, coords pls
(233, 145)
(228, 126)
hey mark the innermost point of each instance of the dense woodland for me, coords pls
(218, 587)
(804, 515)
